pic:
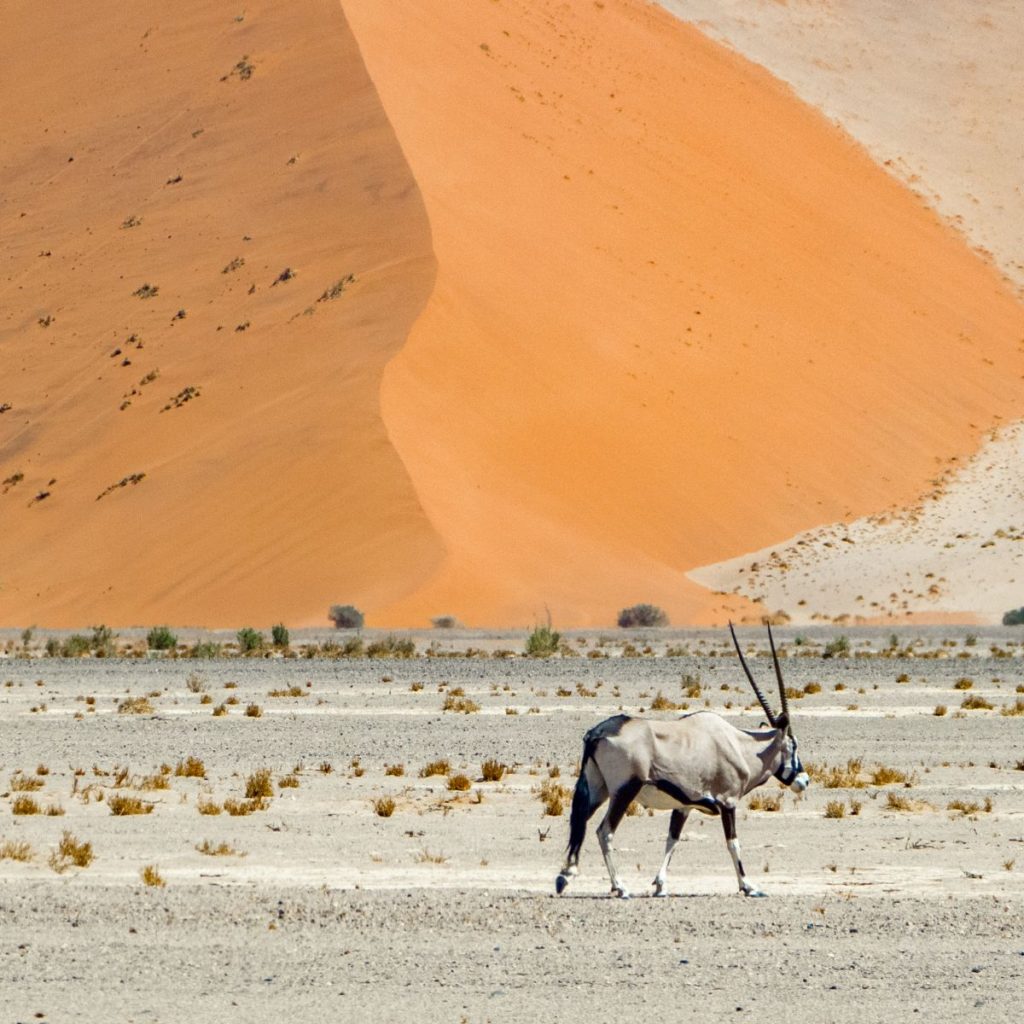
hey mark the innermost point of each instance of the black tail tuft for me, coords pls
(579, 815)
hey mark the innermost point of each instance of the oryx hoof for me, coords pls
(754, 893)
(621, 892)
(561, 884)
(659, 889)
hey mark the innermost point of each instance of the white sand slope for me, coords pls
(961, 549)
(935, 91)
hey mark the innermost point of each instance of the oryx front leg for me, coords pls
(606, 831)
(675, 829)
(729, 824)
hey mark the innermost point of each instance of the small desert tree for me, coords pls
(249, 640)
(1014, 617)
(642, 615)
(280, 635)
(345, 616)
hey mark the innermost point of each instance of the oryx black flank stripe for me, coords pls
(670, 788)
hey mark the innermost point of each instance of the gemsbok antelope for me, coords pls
(697, 762)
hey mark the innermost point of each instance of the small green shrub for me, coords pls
(75, 646)
(543, 642)
(1014, 617)
(445, 622)
(279, 635)
(642, 615)
(249, 640)
(160, 638)
(837, 648)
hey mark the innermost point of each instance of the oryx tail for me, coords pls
(585, 802)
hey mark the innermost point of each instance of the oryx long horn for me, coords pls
(757, 689)
(778, 670)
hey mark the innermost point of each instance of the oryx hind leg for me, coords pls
(620, 800)
(729, 825)
(675, 829)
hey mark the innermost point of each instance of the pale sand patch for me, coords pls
(959, 551)
(933, 90)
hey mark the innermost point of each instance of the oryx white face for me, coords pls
(791, 772)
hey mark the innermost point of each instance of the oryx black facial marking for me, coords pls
(697, 762)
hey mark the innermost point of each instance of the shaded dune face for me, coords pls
(244, 168)
(677, 314)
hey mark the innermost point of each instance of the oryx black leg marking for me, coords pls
(675, 829)
(616, 809)
(729, 825)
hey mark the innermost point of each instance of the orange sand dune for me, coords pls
(677, 314)
(660, 314)
(276, 491)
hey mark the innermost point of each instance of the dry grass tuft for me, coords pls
(191, 768)
(553, 796)
(24, 805)
(243, 808)
(326, 767)
(1013, 710)
(157, 781)
(121, 805)
(288, 782)
(13, 850)
(459, 783)
(425, 856)
(895, 802)
(835, 809)
(258, 785)
(222, 849)
(253, 711)
(662, 703)
(25, 783)
(291, 691)
(492, 770)
(209, 807)
(976, 703)
(883, 775)
(396, 770)
(765, 802)
(70, 852)
(963, 683)
(940, 710)
(151, 876)
(837, 776)
(439, 767)
(384, 806)
(135, 706)
(459, 705)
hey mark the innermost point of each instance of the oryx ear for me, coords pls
(782, 721)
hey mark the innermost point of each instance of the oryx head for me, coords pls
(790, 771)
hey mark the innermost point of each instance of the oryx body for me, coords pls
(696, 762)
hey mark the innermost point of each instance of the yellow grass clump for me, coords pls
(438, 767)
(151, 876)
(24, 805)
(11, 849)
(191, 768)
(459, 783)
(135, 706)
(121, 805)
(384, 806)
(221, 849)
(71, 852)
(208, 807)
(258, 785)
(492, 770)
(835, 809)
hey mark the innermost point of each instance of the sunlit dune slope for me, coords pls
(677, 314)
(164, 145)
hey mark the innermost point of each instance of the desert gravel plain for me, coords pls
(445, 910)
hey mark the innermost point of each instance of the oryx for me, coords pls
(697, 762)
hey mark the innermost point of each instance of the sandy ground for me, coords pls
(957, 552)
(446, 908)
(622, 305)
